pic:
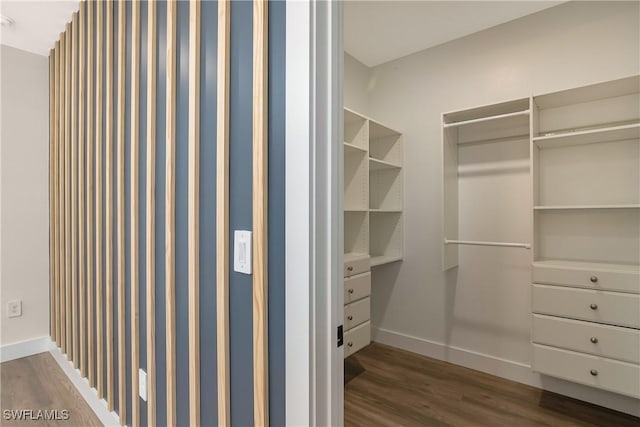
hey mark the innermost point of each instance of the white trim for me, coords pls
(24, 348)
(504, 368)
(313, 306)
(89, 394)
(298, 320)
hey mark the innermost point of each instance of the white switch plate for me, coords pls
(142, 384)
(14, 308)
(242, 251)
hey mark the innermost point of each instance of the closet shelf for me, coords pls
(356, 210)
(482, 243)
(354, 148)
(591, 136)
(585, 265)
(384, 259)
(375, 164)
(578, 207)
(489, 118)
(385, 210)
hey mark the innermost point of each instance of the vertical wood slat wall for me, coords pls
(86, 238)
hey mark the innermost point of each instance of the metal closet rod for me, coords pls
(480, 243)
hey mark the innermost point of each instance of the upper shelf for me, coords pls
(610, 89)
(351, 148)
(375, 165)
(591, 136)
(578, 207)
(489, 118)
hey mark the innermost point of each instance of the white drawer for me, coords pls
(357, 338)
(601, 340)
(614, 308)
(357, 287)
(356, 264)
(607, 374)
(356, 313)
(588, 275)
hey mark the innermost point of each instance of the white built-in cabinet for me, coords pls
(373, 191)
(373, 222)
(585, 216)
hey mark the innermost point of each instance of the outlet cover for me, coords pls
(14, 308)
(142, 384)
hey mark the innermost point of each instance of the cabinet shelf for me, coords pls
(375, 164)
(591, 136)
(585, 265)
(578, 207)
(351, 148)
(384, 259)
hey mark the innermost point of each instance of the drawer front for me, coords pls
(612, 342)
(356, 265)
(357, 287)
(613, 308)
(356, 313)
(595, 279)
(607, 374)
(357, 338)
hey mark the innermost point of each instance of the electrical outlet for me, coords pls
(14, 308)
(142, 384)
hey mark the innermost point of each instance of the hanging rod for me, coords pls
(479, 243)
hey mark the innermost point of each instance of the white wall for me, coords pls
(479, 315)
(356, 85)
(24, 194)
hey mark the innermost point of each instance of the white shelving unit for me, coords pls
(373, 189)
(585, 163)
(495, 127)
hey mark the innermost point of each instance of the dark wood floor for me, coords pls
(386, 386)
(37, 382)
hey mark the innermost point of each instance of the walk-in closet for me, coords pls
(491, 197)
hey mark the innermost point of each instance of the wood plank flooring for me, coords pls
(386, 386)
(38, 383)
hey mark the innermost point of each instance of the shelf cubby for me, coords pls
(356, 232)
(385, 189)
(356, 130)
(386, 237)
(356, 180)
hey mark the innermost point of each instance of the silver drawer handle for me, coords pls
(351, 318)
(594, 340)
(349, 268)
(593, 306)
(594, 372)
(350, 344)
(594, 279)
(350, 291)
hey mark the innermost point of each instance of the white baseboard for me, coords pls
(505, 368)
(24, 348)
(90, 394)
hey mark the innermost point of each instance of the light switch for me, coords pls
(242, 251)
(142, 384)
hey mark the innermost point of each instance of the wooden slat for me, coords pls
(100, 323)
(62, 335)
(52, 153)
(260, 154)
(67, 190)
(74, 190)
(122, 361)
(56, 183)
(134, 194)
(82, 282)
(152, 48)
(194, 209)
(222, 213)
(109, 203)
(89, 196)
(170, 213)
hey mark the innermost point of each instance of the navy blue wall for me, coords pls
(241, 350)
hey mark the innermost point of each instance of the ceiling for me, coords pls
(37, 24)
(376, 32)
